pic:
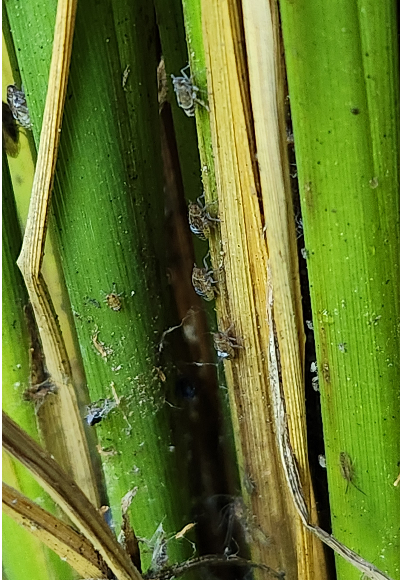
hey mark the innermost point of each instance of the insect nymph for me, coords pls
(200, 220)
(97, 410)
(186, 93)
(203, 282)
(17, 102)
(225, 344)
(113, 300)
(347, 470)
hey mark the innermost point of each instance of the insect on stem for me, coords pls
(113, 299)
(186, 93)
(347, 471)
(203, 281)
(200, 220)
(225, 344)
(17, 102)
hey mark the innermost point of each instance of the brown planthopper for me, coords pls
(200, 220)
(186, 93)
(203, 281)
(225, 344)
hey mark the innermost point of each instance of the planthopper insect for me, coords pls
(203, 282)
(17, 102)
(225, 344)
(98, 410)
(186, 93)
(38, 392)
(113, 300)
(200, 220)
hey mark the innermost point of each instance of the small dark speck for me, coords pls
(355, 111)
(367, 54)
(185, 388)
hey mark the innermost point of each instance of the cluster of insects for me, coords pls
(205, 286)
(202, 220)
(200, 223)
(186, 93)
